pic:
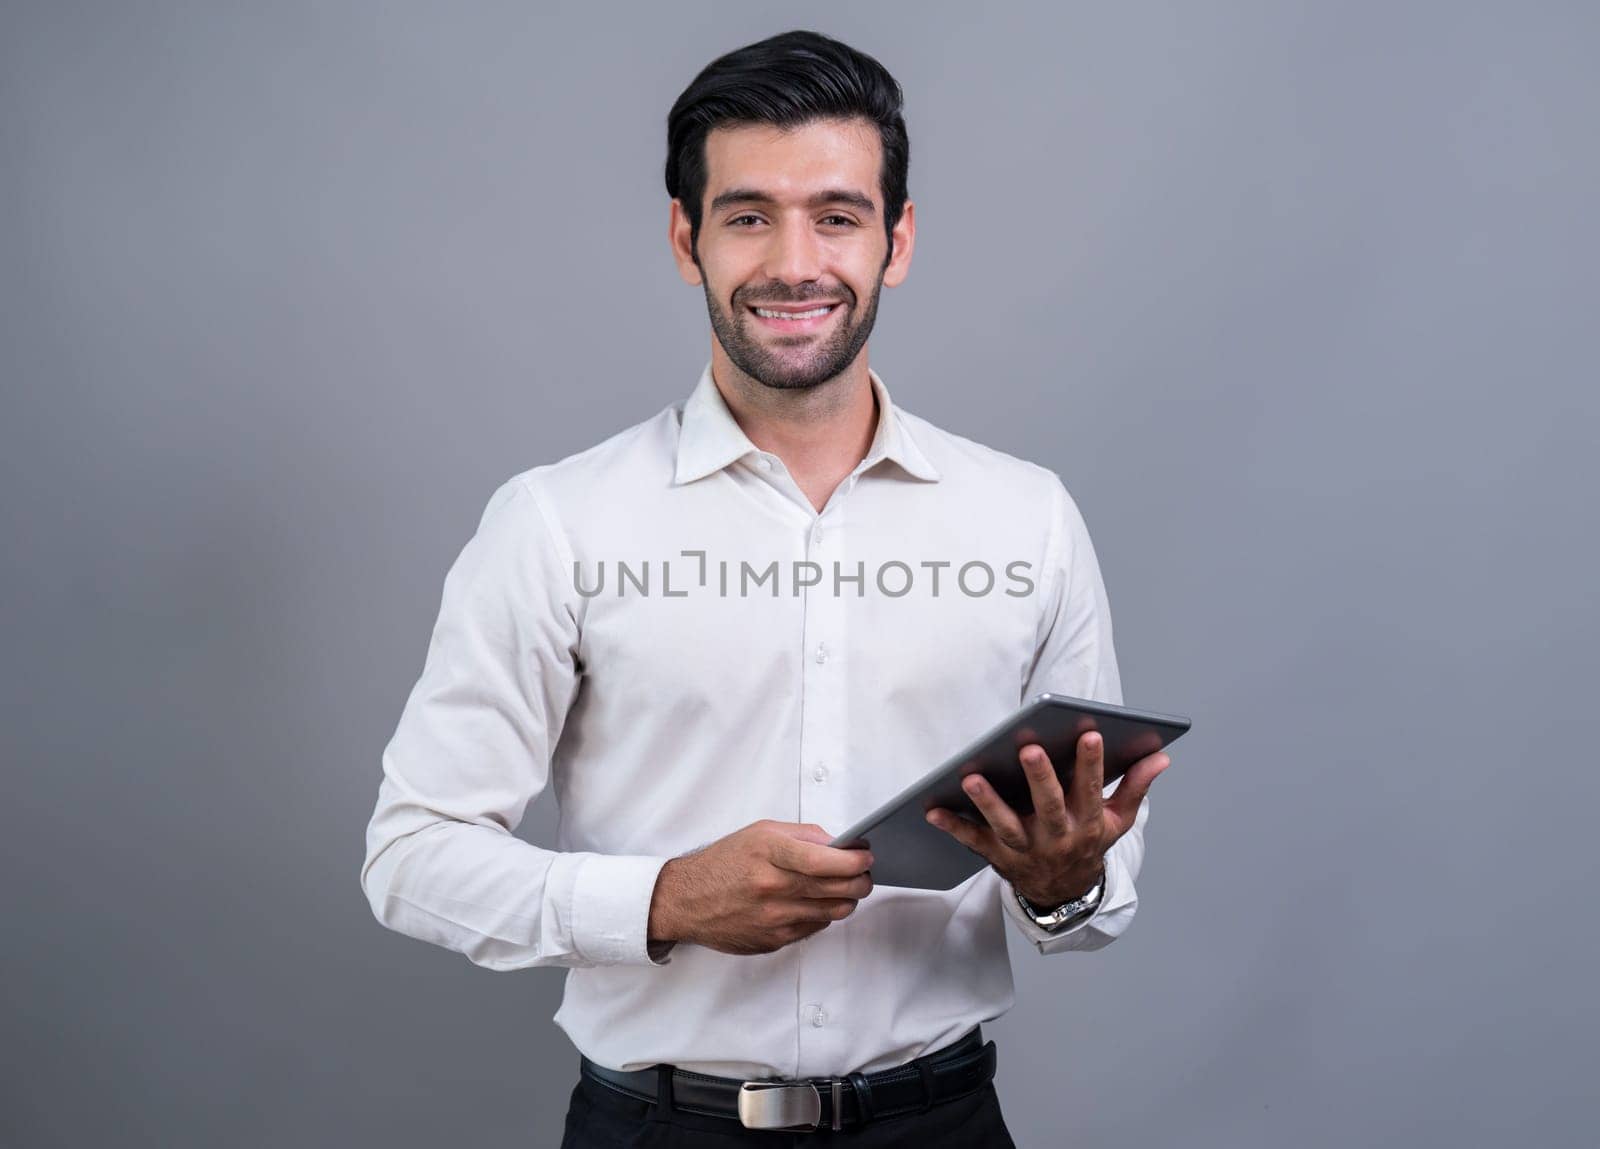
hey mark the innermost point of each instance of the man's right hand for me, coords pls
(758, 889)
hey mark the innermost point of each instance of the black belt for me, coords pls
(813, 1102)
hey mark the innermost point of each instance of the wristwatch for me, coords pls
(1067, 913)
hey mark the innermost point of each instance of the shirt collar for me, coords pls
(709, 438)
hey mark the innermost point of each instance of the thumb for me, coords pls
(1124, 803)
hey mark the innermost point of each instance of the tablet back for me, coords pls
(909, 852)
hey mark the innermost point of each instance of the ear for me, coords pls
(905, 239)
(678, 235)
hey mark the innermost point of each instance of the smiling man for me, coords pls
(827, 621)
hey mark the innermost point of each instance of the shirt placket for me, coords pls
(822, 985)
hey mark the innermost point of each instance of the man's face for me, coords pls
(793, 222)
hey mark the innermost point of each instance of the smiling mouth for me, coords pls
(781, 319)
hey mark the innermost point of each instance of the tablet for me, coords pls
(906, 851)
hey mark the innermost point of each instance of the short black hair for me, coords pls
(786, 80)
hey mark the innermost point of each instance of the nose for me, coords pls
(795, 253)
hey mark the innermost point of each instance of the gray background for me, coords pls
(1292, 296)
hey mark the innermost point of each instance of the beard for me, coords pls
(793, 362)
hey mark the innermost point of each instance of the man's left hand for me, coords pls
(1054, 854)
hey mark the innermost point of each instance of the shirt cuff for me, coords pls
(611, 910)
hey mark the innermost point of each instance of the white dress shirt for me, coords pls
(669, 709)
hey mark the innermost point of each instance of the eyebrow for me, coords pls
(826, 198)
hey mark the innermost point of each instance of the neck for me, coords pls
(816, 431)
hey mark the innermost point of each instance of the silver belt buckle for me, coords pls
(786, 1105)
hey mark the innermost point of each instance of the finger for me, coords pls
(1049, 803)
(819, 860)
(1123, 805)
(857, 887)
(978, 839)
(1088, 778)
(821, 910)
(1003, 820)
(796, 932)
(805, 832)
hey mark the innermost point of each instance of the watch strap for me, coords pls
(1068, 913)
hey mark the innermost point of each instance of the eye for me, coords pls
(735, 220)
(844, 219)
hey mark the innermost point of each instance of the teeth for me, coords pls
(812, 314)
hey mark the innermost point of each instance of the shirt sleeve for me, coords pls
(1076, 658)
(473, 748)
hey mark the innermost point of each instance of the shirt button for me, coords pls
(816, 535)
(820, 772)
(822, 652)
(820, 1018)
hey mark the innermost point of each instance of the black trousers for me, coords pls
(602, 1118)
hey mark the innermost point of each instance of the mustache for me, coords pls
(843, 297)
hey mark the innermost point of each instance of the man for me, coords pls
(724, 634)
